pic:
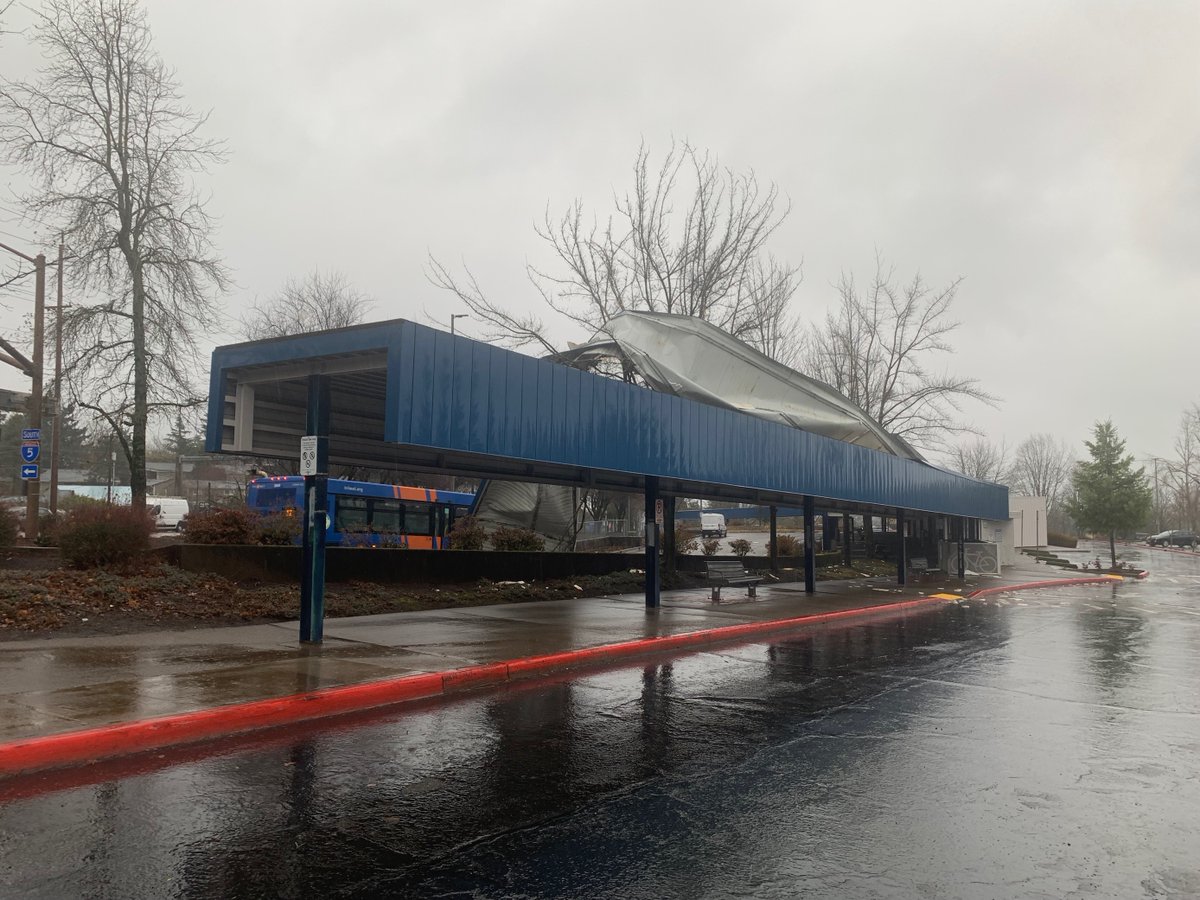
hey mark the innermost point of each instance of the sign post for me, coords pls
(314, 466)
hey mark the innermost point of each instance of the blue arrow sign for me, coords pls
(31, 450)
(31, 434)
(30, 472)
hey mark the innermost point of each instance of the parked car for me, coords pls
(1175, 538)
(712, 525)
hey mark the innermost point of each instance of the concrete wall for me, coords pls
(282, 564)
(1028, 515)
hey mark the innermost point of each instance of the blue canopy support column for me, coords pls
(668, 534)
(810, 550)
(653, 588)
(827, 529)
(962, 554)
(901, 549)
(847, 540)
(312, 576)
(774, 545)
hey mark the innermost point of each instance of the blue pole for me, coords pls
(810, 551)
(312, 576)
(901, 550)
(653, 589)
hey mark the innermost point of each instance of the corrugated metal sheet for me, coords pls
(541, 411)
(448, 392)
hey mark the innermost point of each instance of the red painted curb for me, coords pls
(127, 738)
(1057, 582)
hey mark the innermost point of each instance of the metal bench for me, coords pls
(721, 572)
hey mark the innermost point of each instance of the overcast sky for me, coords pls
(1047, 152)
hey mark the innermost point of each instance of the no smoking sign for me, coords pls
(308, 455)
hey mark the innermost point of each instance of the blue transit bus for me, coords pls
(361, 511)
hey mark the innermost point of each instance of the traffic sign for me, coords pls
(31, 450)
(29, 472)
(308, 454)
(31, 434)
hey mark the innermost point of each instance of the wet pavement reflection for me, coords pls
(1038, 745)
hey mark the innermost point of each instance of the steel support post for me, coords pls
(312, 578)
(653, 589)
(962, 553)
(847, 540)
(810, 550)
(901, 550)
(826, 532)
(774, 548)
(869, 535)
(669, 533)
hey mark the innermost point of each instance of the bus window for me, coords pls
(351, 514)
(386, 516)
(418, 518)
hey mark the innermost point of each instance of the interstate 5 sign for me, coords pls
(31, 450)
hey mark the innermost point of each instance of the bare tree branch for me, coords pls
(981, 459)
(876, 348)
(113, 150)
(706, 258)
(1042, 468)
(315, 303)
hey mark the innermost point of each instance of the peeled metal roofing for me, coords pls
(690, 358)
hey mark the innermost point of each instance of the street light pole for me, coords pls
(454, 316)
(55, 444)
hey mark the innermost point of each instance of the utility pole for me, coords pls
(454, 316)
(32, 368)
(35, 393)
(55, 445)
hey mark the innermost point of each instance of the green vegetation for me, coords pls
(1110, 494)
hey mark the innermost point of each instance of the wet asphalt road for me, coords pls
(1046, 745)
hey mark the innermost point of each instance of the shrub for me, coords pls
(710, 547)
(10, 525)
(104, 536)
(222, 526)
(509, 537)
(47, 530)
(789, 545)
(687, 540)
(467, 534)
(278, 530)
(740, 547)
(1058, 539)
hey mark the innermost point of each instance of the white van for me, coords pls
(168, 512)
(712, 525)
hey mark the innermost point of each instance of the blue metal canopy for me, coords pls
(403, 395)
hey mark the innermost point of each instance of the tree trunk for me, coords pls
(1112, 547)
(137, 448)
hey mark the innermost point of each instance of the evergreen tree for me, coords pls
(1110, 494)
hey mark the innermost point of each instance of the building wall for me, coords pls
(1028, 517)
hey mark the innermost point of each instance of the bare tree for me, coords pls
(314, 303)
(981, 459)
(878, 348)
(113, 149)
(1183, 472)
(705, 257)
(1042, 467)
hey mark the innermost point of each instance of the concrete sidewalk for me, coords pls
(52, 686)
